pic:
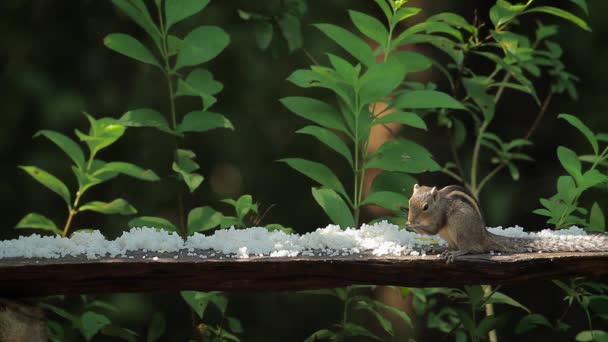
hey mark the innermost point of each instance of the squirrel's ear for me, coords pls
(416, 186)
(434, 193)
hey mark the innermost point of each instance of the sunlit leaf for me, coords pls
(201, 45)
(37, 221)
(49, 181)
(117, 206)
(130, 47)
(334, 206)
(203, 218)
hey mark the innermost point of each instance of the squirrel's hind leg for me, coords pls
(450, 256)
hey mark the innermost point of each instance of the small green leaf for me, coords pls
(198, 301)
(351, 329)
(317, 172)
(597, 221)
(404, 118)
(152, 222)
(127, 169)
(200, 82)
(37, 221)
(66, 144)
(103, 133)
(566, 188)
(145, 117)
(399, 313)
(477, 89)
(234, 325)
(398, 182)
(334, 206)
(487, 323)
(388, 13)
(569, 161)
(244, 205)
(503, 12)
(380, 80)
(50, 181)
(411, 61)
(330, 139)
(263, 34)
(201, 45)
(140, 15)
(530, 322)
(178, 10)
(349, 42)
(387, 199)
(202, 219)
(119, 332)
(558, 12)
(404, 156)
(291, 28)
(117, 206)
(323, 334)
(501, 298)
(192, 179)
(582, 4)
(130, 47)
(578, 124)
(316, 111)
(426, 99)
(91, 323)
(201, 121)
(369, 26)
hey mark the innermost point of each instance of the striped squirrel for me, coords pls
(455, 215)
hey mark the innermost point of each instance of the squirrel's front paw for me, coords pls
(450, 256)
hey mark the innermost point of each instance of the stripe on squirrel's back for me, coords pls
(458, 192)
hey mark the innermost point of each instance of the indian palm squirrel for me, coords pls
(455, 215)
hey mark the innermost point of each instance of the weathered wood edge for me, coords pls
(38, 277)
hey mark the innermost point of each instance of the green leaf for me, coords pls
(569, 161)
(37, 221)
(244, 205)
(66, 144)
(127, 169)
(404, 118)
(592, 336)
(323, 334)
(152, 222)
(351, 329)
(380, 80)
(330, 139)
(501, 298)
(487, 323)
(558, 12)
(597, 221)
(582, 4)
(404, 156)
(291, 28)
(384, 322)
(399, 182)
(592, 178)
(263, 34)
(316, 111)
(411, 61)
(91, 323)
(200, 82)
(334, 206)
(201, 121)
(477, 89)
(130, 47)
(198, 301)
(530, 322)
(139, 14)
(388, 13)
(426, 99)
(50, 181)
(369, 26)
(566, 188)
(317, 172)
(192, 179)
(202, 219)
(185, 159)
(145, 117)
(387, 199)
(103, 133)
(578, 124)
(201, 45)
(178, 10)
(349, 42)
(401, 314)
(503, 11)
(117, 206)
(234, 325)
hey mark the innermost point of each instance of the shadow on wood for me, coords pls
(37, 277)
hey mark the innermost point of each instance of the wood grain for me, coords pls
(38, 277)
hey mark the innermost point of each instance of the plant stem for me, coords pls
(487, 290)
(475, 159)
(72, 211)
(357, 171)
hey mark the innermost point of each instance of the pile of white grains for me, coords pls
(379, 239)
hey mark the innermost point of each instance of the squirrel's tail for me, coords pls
(557, 243)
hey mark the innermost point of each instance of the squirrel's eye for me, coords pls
(425, 206)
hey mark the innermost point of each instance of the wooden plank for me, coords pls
(37, 277)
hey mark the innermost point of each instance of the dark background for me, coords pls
(54, 66)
